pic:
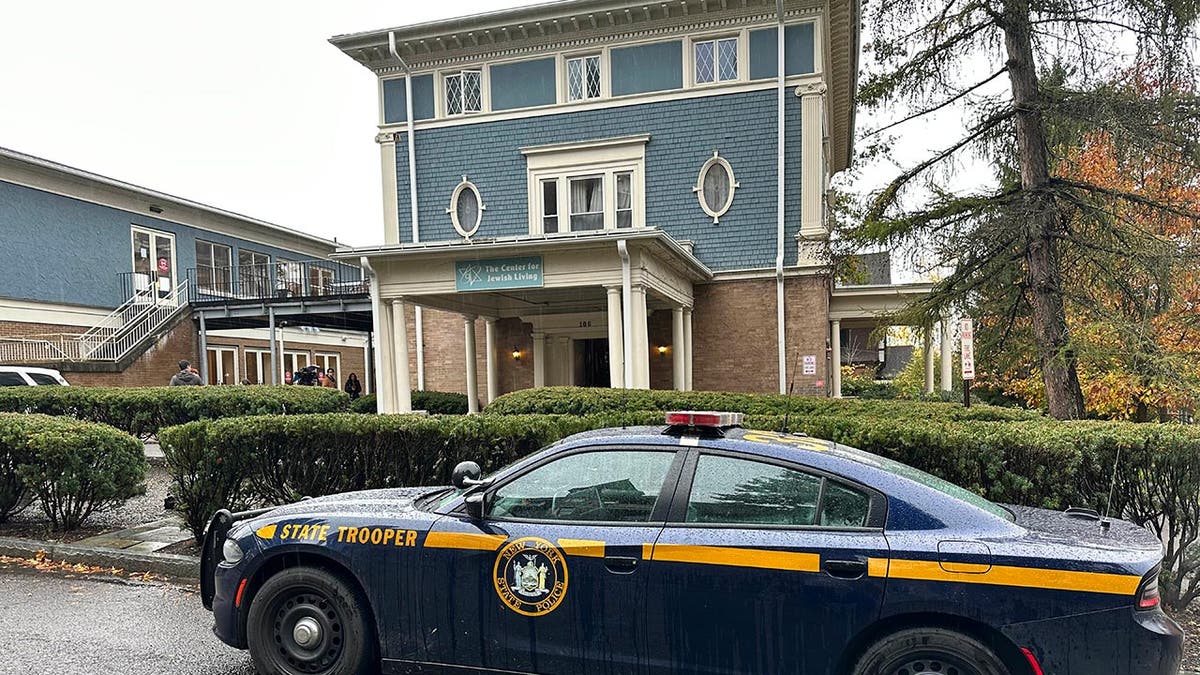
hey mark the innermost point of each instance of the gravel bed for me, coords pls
(137, 511)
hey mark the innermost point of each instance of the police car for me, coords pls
(698, 547)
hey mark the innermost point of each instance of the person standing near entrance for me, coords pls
(353, 386)
(186, 376)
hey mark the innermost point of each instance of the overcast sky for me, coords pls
(240, 104)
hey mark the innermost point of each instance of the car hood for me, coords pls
(384, 503)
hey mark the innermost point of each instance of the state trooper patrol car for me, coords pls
(698, 547)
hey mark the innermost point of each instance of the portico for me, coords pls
(872, 306)
(581, 302)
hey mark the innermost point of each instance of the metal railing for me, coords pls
(110, 340)
(308, 279)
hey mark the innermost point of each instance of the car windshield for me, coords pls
(436, 500)
(928, 480)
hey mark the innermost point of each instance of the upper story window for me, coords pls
(583, 78)
(715, 60)
(589, 186)
(466, 208)
(464, 92)
(254, 273)
(214, 267)
(715, 187)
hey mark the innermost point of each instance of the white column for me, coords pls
(489, 339)
(812, 165)
(385, 384)
(835, 367)
(687, 346)
(929, 384)
(678, 350)
(641, 340)
(387, 165)
(566, 362)
(616, 339)
(539, 359)
(947, 356)
(472, 371)
(403, 380)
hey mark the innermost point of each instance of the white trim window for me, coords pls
(214, 267)
(466, 208)
(715, 60)
(583, 78)
(464, 92)
(587, 186)
(715, 187)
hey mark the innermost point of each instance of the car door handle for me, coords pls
(618, 564)
(845, 569)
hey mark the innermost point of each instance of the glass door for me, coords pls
(223, 365)
(153, 263)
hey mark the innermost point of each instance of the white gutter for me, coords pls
(780, 330)
(376, 359)
(626, 310)
(412, 194)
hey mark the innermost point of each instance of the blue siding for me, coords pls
(523, 84)
(646, 68)
(797, 50)
(64, 250)
(683, 135)
(395, 99)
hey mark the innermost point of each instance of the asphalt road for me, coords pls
(54, 624)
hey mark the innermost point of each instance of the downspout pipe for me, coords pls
(412, 193)
(779, 206)
(626, 310)
(376, 359)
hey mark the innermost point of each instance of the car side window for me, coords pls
(12, 380)
(44, 380)
(601, 486)
(733, 491)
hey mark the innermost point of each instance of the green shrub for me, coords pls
(14, 451)
(234, 463)
(73, 467)
(142, 411)
(581, 401)
(432, 402)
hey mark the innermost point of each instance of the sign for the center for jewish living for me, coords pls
(498, 274)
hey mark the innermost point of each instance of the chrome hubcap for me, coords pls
(307, 632)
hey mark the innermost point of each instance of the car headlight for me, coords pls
(232, 552)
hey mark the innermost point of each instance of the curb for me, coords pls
(167, 564)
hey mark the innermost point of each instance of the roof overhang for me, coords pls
(871, 304)
(568, 24)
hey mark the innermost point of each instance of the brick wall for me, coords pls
(735, 341)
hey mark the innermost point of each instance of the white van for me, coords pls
(20, 376)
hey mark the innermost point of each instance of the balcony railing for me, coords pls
(316, 279)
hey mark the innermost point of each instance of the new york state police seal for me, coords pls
(530, 576)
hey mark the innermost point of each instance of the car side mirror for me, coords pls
(475, 503)
(466, 475)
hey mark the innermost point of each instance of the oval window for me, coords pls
(466, 208)
(715, 187)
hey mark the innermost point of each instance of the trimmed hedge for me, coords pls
(581, 401)
(142, 411)
(432, 402)
(74, 468)
(239, 462)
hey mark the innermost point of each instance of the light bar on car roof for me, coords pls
(704, 418)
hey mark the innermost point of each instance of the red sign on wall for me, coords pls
(164, 266)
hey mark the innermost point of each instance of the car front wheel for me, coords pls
(929, 651)
(306, 621)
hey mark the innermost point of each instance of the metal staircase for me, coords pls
(111, 339)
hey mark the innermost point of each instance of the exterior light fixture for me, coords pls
(662, 350)
(154, 208)
(516, 354)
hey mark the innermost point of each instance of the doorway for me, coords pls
(223, 365)
(591, 363)
(153, 262)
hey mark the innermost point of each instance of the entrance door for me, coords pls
(764, 567)
(591, 358)
(223, 365)
(552, 579)
(153, 263)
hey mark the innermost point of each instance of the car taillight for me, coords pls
(1148, 597)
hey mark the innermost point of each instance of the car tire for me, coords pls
(307, 621)
(929, 651)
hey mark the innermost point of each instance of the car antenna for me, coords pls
(1105, 522)
(788, 411)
